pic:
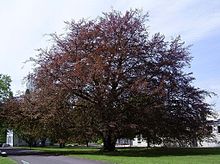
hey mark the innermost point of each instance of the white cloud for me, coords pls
(193, 20)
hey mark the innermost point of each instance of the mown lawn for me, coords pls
(210, 159)
(158, 156)
(144, 155)
(6, 160)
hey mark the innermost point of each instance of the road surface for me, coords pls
(39, 159)
(26, 156)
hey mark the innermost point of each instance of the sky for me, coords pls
(24, 25)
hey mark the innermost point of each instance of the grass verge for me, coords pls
(6, 160)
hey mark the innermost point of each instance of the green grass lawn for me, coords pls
(144, 155)
(210, 159)
(6, 160)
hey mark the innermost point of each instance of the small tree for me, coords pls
(22, 115)
(5, 90)
(5, 93)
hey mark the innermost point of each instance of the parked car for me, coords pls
(6, 145)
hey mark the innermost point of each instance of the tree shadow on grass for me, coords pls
(143, 152)
(127, 152)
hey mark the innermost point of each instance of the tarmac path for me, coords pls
(38, 159)
(27, 156)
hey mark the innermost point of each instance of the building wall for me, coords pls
(138, 141)
(13, 140)
(10, 138)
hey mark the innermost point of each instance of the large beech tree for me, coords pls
(121, 81)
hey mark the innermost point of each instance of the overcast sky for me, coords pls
(24, 24)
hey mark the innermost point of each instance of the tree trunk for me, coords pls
(35, 144)
(43, 142)
(148, 142)
(62, 145)
(30, 144)
(51, 143)
(109, 143)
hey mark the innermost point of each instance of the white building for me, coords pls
(213, 141)
(10, 138)
(138, 141)
(13, 140)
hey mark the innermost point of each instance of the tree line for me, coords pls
(108, 78)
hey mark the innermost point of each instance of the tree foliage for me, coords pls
(115, 80)
(5, 93)
(5, 90)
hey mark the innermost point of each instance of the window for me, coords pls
(139, 138)
(210, 129)
(9, 139)
(218, 129)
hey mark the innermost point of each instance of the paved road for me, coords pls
(26, 156)
(37, 159)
